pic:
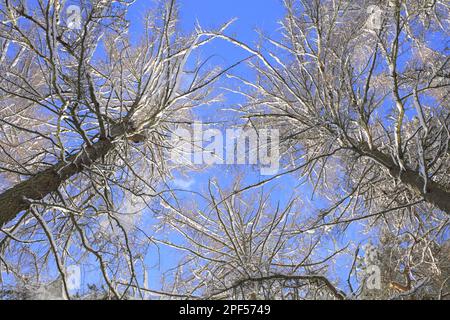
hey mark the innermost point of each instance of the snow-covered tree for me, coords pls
(85, 109)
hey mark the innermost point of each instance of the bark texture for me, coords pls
(17, 199)
(435, 194)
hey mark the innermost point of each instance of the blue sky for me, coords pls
(213, 14)
(252, 16)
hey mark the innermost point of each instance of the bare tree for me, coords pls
(360, 98)
(83, 119)
(411, 267)
(243, 246)
(362, 102)
(364, 110)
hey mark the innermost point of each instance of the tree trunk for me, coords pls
(435, 194)
(16, 199)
